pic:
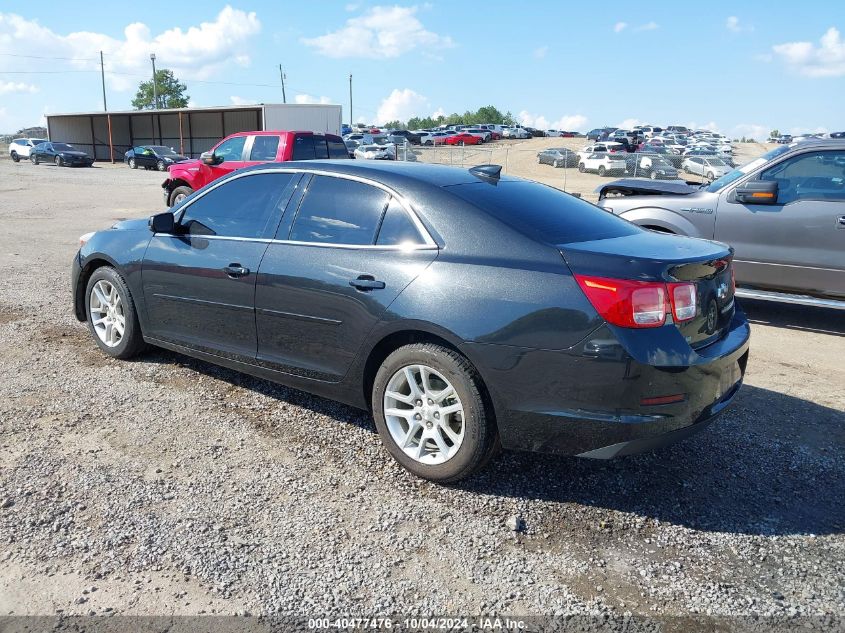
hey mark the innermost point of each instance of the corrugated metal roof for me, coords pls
(256, 106)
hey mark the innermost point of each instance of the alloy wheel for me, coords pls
(131, 163)
(424, 414)
(107, 314)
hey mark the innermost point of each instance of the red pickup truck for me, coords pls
(244, 149)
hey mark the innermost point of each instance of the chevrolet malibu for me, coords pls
(465, 309)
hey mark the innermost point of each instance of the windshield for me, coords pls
(715, 161)
(735, 174)
(162, 150)
(63, 147)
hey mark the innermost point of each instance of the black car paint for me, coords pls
(47, 153)
(152, 159)
(559, 377)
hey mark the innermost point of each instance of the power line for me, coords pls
(70, 59)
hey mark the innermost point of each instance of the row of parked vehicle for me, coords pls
(39, 150)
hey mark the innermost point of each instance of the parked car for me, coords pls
(603, 164)
(412, 137)
(463, 138)
(607, 147)
(784, 213)
(534, 132)
(351, 146)
(437, 138)
(243, 150)
(783, 139)
(558, 157)
(516, 132)
(555, 133)
(152, 157)
(651, 166)
(375, 152)
(709, 167)
(60, 154)
(483, 135)
(594, 134)
(573, 332)
(21, 147)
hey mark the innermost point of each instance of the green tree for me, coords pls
(171, 92)
(395, 125)
(774, 133)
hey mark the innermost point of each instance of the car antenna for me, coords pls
(491, 172)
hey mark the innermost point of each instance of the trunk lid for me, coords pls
(656, 257)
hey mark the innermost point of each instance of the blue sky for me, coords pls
(741, 68)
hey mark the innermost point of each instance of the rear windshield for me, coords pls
(544, 213)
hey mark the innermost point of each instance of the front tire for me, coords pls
(33, 159)
(179, 194)
(15, 157)
(133, 164)
(162, 166)
(112, 318)
(602, 170)
(710, 176)
(430, 413)
(582, 167)
(59, 162)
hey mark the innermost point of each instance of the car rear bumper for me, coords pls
(588, 401)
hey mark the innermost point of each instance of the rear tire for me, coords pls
(602, 170)
(653, 175)
(111, 313)
(710, 176)
(469, 439)
(33, 159)
(162, 166)
(179, 194)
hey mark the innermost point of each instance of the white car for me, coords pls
(375, 152)
(709, 167)
(605, 146)
(483, 134)
(21, 147)
(557, 133)
(515, 132)
(603, 163)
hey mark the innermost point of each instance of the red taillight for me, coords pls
(639, 304)
(683, 299)
(625, 302)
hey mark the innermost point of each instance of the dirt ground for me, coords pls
(168, 486)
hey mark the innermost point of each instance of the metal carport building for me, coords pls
(190, 131)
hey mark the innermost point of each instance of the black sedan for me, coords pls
(61, 154)
(558, 157)
(152, 157)
(467, 310)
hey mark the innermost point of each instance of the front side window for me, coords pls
(810, 176)
(339, 211)
(264, 148)
(233, 149)
(240, 207)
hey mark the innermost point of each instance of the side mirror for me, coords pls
(210, 158)
(757, 192)
(163, 223)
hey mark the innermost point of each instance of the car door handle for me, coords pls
(366, 282)
(235, 270)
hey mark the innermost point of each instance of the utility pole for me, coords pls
(350, 99)
(155, 88)
(282, 77)
(103, 76)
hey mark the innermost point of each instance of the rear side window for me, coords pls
(320, 148)
(303, 147)
(543, 213)
(241, 207)
(397, 228)
(264, 148)
(339, 211)
(337, 149)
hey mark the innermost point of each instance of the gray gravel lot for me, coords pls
(169, 486)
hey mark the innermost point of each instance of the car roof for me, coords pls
(396, 173)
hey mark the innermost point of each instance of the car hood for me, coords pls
(644, 187)
(189, 164)
(134, 224)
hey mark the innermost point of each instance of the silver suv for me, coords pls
(783, 213)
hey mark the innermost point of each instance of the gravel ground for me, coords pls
(169, 486)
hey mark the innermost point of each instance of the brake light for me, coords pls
(639, 304)
(683, 300)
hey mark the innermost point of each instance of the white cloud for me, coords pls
(541, 52)
(380, 33)
(750, 130)
(619, 27)
(241, 100)
(627, 124)
(648, 26)
(195, 53)
(401, 105)
(805, 58)
(568, 122)
(306, 98)
(11, 87)
(733, 25)
(438, 113)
